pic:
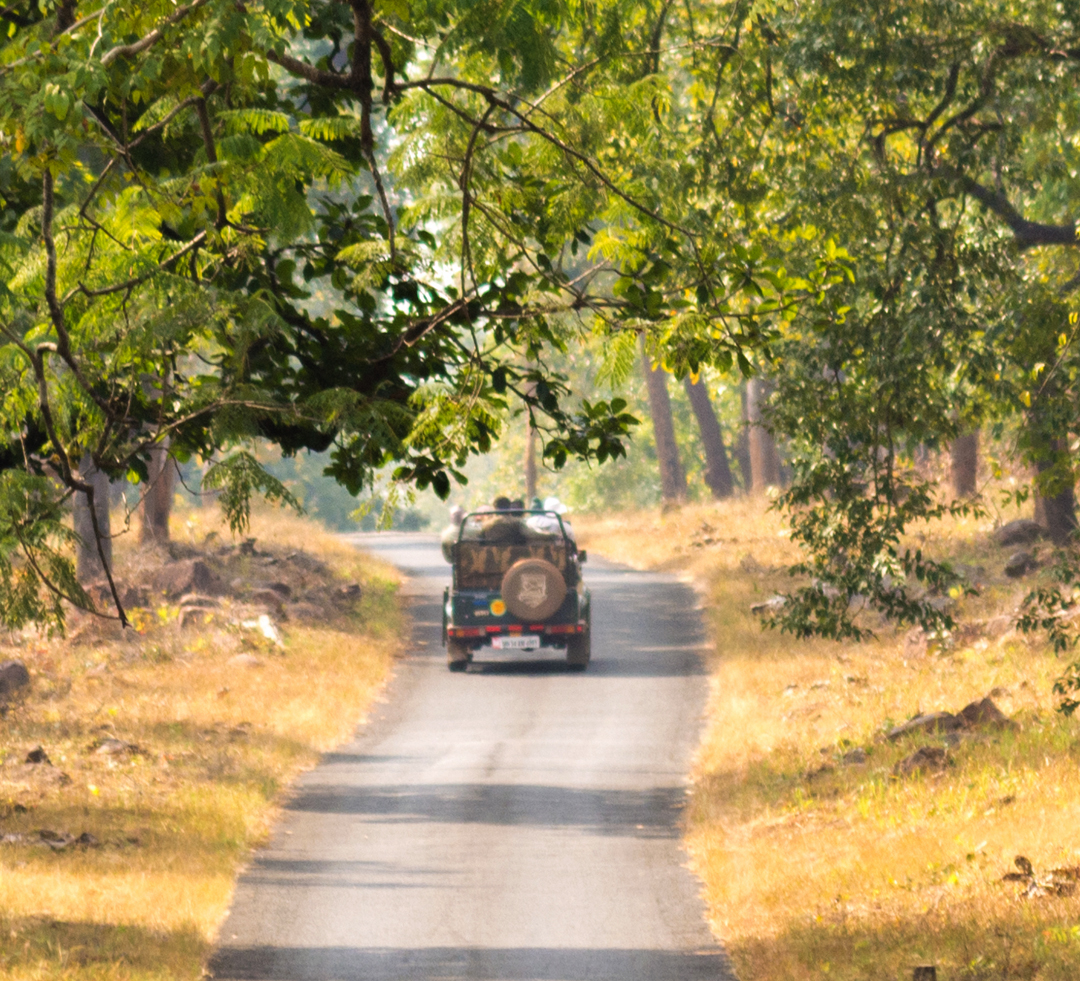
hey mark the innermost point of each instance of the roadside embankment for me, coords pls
(139, 769)
(830, 845)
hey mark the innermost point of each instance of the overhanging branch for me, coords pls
(1027, 233)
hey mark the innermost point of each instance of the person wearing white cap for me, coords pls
(450, 532)
(548, 524)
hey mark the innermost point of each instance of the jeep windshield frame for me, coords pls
(523, 514)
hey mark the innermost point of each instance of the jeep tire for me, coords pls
(533, 589)
(579, 650)
(457, 655)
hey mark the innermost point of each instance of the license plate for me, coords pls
(529, 642)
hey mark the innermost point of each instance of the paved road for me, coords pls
(513, 823)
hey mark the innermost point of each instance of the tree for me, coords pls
(764, 459)
(932, 142)
(201, 244)
(157, 500)
(717, 471)
(964, 464)
(672, 475)
(93, 550)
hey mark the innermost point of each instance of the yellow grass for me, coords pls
(218, 743)
(813, 868)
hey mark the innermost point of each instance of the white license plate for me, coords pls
(529, 642)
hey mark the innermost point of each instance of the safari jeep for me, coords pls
(516, 586)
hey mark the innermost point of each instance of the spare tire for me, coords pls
(533, 589)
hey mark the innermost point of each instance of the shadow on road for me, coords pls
(460, 963)
(649, 813)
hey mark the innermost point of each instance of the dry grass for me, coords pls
(218, 741)
(816, 868)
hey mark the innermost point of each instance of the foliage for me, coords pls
(932, 141)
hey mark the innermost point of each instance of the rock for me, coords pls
(854, 757)
(87, 840)
(305, 611)
(771, 605)
(181, 550)
(115, 747)
(924, 758)
(194, 601)
(975, 575)
(266, 627)
(349, 594)
(38, 775)
(283, 589)
(269, 598)
(38, 756)
(1023, 531)
(1020, 563)
(13, 679)
(247, 547)
(245, 661)
(56, 840)
(986, 714)
(189, 576)
(930, 722)
(134, 596)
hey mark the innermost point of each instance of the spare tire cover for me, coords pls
(533, 589)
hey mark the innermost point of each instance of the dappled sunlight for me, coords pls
(816, 855)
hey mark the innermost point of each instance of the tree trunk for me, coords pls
(742, 444)
(672, 477)
(764, 460)
(717, 470)
(158, 499)
(964, 464)
(88, 565)
(1056, 511)
(530, 465)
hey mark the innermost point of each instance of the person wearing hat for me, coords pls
(451, 531)
(548, 524)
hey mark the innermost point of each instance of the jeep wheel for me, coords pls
(457, 655)
(533, 589)
(578, 651)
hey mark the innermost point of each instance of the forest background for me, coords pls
(378, 232)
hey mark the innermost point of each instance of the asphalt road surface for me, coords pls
(517, 822)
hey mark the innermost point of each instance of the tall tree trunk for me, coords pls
(530, 465)
(764, 460)
(964, 464)
(717, 470)
(88, 565)
(672, 476)
(1056, 510)
(158, 499)
(742, 444)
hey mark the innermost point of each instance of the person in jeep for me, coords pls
(516, 585)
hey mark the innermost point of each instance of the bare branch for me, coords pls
(128, 284)
(1028, 233)
(137, 47)
(302, 69)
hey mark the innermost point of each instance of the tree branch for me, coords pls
(1027, 233)
(303, 70)
(137, 47)
(211, 156)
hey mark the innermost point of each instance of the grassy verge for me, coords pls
(819, 861)
(211, 722)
